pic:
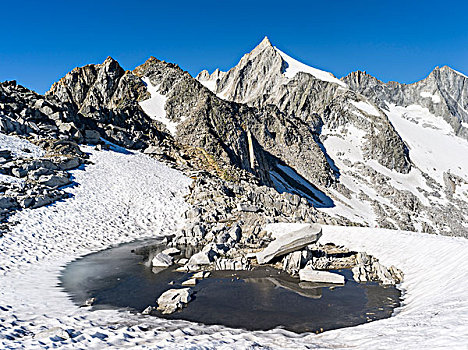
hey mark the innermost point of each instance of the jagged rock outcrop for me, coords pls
(291, 242)
(173, 300)
(105, 97)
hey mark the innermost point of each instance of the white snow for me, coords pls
(123, 196)
(17, 146)
(209, 84)
(295, 67)
(432, 145)
(366, 107)
(154, 106)
(460, 73)
(426, 94)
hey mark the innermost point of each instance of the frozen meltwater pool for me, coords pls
(262, 299)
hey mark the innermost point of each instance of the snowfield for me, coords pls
(124, 196)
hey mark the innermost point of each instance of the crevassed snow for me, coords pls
(432, 145)
(427, 94)
(366, 107)
(154, 106)
(344, 146)
(295, 67)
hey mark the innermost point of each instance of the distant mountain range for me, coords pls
(360, 150)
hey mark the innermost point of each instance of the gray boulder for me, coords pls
(290, 242)
(26, 202)
(236, 264)
(173, 300)
(19, 172)
(202, 258)
(171, 251)
(70, 163)
(7, 202)
(5, 153)
(92, 136)
(247, 207)
(292, 262)
(54, 181)
(369, 268)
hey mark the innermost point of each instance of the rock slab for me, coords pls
(290, 242)
(162, 260)
(310, 275)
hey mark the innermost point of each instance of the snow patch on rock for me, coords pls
(426, 94)
(154, 106)
(366, 107)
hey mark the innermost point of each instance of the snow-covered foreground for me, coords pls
(127, 196)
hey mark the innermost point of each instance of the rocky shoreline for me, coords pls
(295, 251)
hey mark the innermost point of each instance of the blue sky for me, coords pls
(392, 40)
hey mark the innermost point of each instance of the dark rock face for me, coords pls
(253, 139)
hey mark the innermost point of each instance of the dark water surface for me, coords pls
(255, 300)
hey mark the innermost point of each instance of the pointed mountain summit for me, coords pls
(264, 43)
(259, 71)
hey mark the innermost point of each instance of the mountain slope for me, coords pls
(377, 181)
(444, 93)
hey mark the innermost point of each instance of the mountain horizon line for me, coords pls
(265, 41)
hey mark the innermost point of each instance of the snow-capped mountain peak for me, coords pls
(294, 67)
(258, 72)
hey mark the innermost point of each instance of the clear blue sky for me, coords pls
(392, 40)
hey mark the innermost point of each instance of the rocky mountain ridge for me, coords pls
(443, 93)
(269, 121)
(355, 121)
